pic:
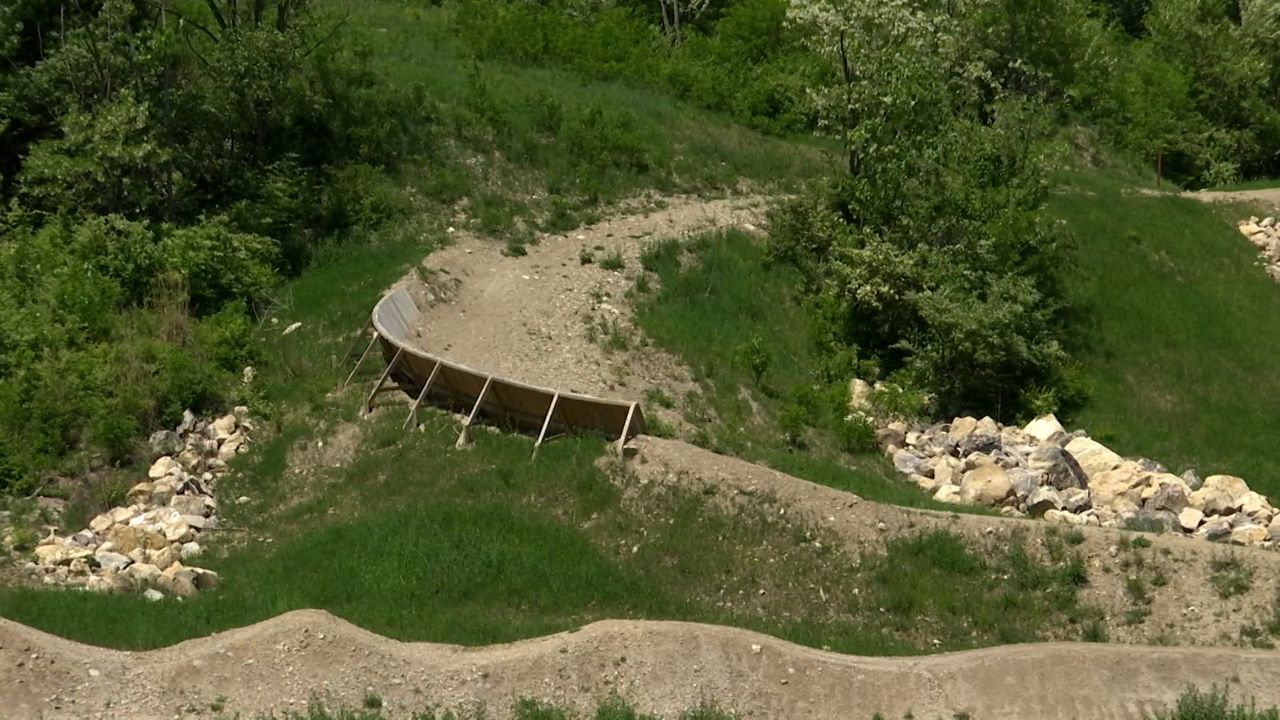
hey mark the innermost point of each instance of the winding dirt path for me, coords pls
(664, 667)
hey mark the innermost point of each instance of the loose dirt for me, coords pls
(552, 317)
(1267, 196)
(666, 667)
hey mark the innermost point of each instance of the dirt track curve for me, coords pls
(663, 667)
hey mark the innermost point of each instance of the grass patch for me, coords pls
(1175, 321)
(1214, 704)
(1230, 576)
(734, 318)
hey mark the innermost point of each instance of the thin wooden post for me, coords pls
(413, 411)
(355, 341)
(1159, 169)
(463, 437)
(360, 362)
(546, 423)
(368, 402)
(626, 428)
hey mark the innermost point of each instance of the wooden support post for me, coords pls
(355, 341)
(368, 402)
(626, 428)
(463, 437)
(413, 411)
(551, 409)
(360, 362)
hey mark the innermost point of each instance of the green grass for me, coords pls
(1214, 704)
(734, 318)
(1178, 330)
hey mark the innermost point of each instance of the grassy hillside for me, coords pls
(1178, 329)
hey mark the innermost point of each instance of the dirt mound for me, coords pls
(662, 667)
(1266, 196)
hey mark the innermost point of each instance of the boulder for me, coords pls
(163, 466)
(1192, 479)
(153, 595)
(1025, 481)
(1123, 482)
(1170, 498)
(1042, 500)
(61, 554)
(188, 424)
(121, 515)
(1248, 535)
(974, 436)
(948, 494)
(112, 561)
(988, 485)
(1229, 484)
(164, 442)
(131, 537)
(1060, 468)
(140, 492)
(189, 505)
(1093, 456)
(946, 470)
(1213, 501)
(190, 551)
(1044, 427)
(178, 531)
(1189, 519)
(101, 524)
(205, 579)
(1251, 503)
(1214, 529)
(859, 395)
(1273, 530)
(142, 573)
(1075, 500)
(164, 557)
(223, 427)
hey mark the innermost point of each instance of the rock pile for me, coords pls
(1265, 235)
(1043, 471)
(146, 544)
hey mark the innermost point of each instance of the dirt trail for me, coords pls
(1267, 196)
(543, 318)
(663, 667)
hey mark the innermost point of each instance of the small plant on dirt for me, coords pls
(1230, 577)
(218, 705)
(1140, 542)
(586, 257)
(752, 357)
(1136, 589)
(642, 284)
(1094, 631)
(372, 702)
(1144, 524)
(659, 397)
(658, 427)
(613, 262)
(1137, 615)
(1194, 704)
(856, 433)
(1255, 637)
(1074, 536)
(515, 249)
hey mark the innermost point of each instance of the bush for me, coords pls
(1214, 704)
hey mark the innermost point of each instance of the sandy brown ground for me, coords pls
(663, 667)
(1267, 196)
(530, 318)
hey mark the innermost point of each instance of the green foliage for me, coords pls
(1214, 704)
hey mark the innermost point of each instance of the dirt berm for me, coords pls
(663, 667)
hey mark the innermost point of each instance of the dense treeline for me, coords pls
(164, 163)
(929, 260)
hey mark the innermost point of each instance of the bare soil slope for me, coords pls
(663, 667)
